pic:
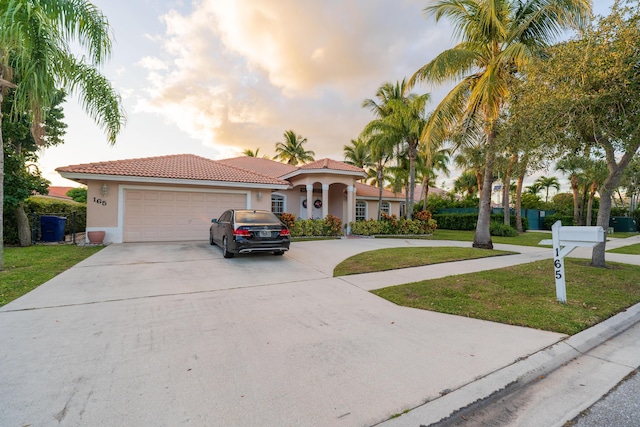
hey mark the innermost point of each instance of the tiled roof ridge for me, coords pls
(250, 170)
(136, 159)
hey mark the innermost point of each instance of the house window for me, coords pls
(403, 210)
(361, 211)
(277, 204)
(384, 208)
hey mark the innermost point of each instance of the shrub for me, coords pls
(501, 229)
(392, 225)
(45, 206)
(330, 226)
(469, 221)
(287, 219)
(333, 226)
(636, 215)
(551, 219)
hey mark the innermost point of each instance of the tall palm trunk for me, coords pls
(592, 194)
(576, 199)
(506, 187)
(519, 201)
(413, 148)
(482, 237)
(1, 181)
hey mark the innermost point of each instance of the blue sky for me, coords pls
(213, 77)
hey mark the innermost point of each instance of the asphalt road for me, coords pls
(620, 407)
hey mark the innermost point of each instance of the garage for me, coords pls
(164, 216)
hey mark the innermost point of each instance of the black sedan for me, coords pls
(245, 231)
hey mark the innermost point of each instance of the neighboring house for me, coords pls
(59, 192)
(174, 198)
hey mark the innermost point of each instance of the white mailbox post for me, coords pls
(565, 240)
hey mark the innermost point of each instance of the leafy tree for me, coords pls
(591, 89)
(35, 48)
(292, 151)
(78, 194)
(498, 39)
(21, 175)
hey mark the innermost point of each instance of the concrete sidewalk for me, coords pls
(166, 334)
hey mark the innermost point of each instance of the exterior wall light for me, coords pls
(105, 189)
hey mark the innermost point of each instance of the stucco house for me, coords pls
(174, 198)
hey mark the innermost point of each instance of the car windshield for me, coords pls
(256, 217)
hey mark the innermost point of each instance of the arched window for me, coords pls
(277, 203)
(361, 210)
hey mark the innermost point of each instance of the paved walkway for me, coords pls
(167, 334)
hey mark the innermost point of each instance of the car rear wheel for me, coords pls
(278, 253)
(225, 249)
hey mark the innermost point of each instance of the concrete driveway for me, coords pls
(173, 334)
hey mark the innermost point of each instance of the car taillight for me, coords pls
(241, 232)
(284, 232)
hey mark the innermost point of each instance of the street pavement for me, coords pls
(169, 334)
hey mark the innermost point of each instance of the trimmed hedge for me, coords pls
(329, 226)
(551, 219)
(450, 221)
(45, 206)
(392, 225)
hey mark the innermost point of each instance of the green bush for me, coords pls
(392, 225)
(46, 206)
(445, 201)
(636, 215)
(551, 219)
(501, 229)
(453, 221)
(330, 226)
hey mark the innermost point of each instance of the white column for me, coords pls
(325, 200)
(309, 201)
(350, 207)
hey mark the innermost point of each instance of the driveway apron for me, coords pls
(173, 334)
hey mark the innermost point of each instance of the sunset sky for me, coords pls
(213, 77)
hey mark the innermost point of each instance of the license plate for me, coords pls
(265, 233)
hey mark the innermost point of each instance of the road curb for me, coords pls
(517, 375)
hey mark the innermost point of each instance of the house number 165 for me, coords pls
(100, 201)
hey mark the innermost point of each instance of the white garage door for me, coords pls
(163, 216)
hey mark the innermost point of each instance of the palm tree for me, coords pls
(466, 183)
(498, 39)
(251, 153)
(358, 154)
(292, 149)
(35, 40)
(404, 121)
(547, 183)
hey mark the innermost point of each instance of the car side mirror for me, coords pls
(214, 220)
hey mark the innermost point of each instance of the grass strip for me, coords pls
(629, 250)
(395, 258)
(524, 295)
(27, 268)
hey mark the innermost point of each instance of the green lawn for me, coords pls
(525, 239)
(525, 295)
(394, 258)
(631, 250)
(27, 268)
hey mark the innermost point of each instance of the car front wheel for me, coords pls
(211, 242)
(225, 249)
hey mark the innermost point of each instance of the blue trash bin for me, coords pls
(52, 228)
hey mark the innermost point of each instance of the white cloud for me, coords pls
(239, 73)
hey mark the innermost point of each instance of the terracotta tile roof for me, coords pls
(365, 190)
(59, 192)
(178, 166)
(260, 165)
(330, 164)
